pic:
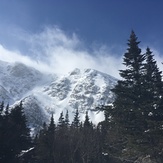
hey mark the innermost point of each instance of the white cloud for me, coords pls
(52, 50)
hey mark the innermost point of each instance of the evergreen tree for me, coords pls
(76, 120)
(16, 134)
(51, 141)
(153, 102)
(1, 107)
(67, 121)
(41, 148)
(87, 122)
(19, 120)
(153, 86)
(128, 91)
(138, 106)
(4, 133)
(51, 127)
(62, 139)
(45, 143)
(61, 121)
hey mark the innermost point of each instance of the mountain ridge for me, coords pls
(46, 94)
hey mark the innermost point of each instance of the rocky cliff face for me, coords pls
(83, 90)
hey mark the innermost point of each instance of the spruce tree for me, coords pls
(41, 153)
(61, 121)
(16, 134)
(19, 120)
(87, 122)
(153, 87)
(76, 120)
(1, 107)
(51, 127)
(67, 121)
(128, 91)
(51, 141)
(139, 99)
(153, 101)
(45, 143)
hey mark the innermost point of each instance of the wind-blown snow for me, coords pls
(43, 95)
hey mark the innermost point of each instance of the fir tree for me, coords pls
(87, 122)
(153, 101)
(1, 107)
(16, 135)
(19, 120)
(153, 87)
(138, 101)
(76, 121)
(67, 121)
(51, 141)
(41, 153)
(61, 121)
(45, 143)
(51, 127)
(128, 91)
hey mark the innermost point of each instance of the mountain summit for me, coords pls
(44, 94)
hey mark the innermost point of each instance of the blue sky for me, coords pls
(95, 23)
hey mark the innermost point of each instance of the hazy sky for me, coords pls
(78, 33)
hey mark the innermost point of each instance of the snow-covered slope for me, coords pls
(18, 79)
(84, 90)
(5, 96)
(44, 94)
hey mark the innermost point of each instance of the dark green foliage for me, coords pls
(51, 128)
(61, 122)
(69, 144)
(41, 145)
(76, 121)
(128, 91)
(15, 135)
(67, 121)
(1, 107)
(45, 143)
(18, 121)
(87, 122)
(153, 87)
(137, 110)
(51, 141)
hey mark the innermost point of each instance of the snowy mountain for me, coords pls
(18, 79)
(84, 90)
(44, 94)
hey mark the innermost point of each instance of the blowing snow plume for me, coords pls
(54, 51)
